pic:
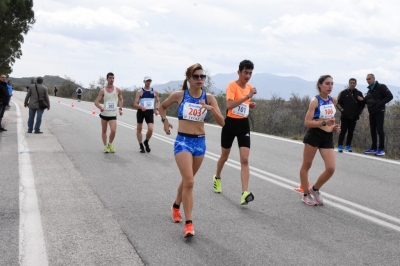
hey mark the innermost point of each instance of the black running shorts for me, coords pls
(316, 137)
(147, 115)
(234, 127)
(108, 118)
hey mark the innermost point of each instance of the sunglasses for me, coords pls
(149, 80)
(196, 77)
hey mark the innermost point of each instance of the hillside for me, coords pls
(269, 85)
(49, 81)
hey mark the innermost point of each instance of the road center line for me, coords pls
(282, 182)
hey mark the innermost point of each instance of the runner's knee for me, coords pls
(188, 184)
(244, 160)
(306, 165)
(330, 170)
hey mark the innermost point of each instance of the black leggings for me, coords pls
(376, 126)
(346, 125)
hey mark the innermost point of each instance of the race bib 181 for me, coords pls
(241, 110)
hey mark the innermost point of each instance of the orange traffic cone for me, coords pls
(300, 188)
(72, 105)
(93, 112)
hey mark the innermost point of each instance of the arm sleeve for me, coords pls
(46, 96)
(387, 95)
(230, 93)
(339, 102)
(28, 95)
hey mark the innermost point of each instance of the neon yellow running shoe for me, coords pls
(246, 198)
(106, 149)
(217, 185)
(111, 148)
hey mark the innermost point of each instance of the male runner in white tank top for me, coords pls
(112, 99)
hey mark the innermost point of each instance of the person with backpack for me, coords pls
(351, 108)
(37, 94)
(79, 93)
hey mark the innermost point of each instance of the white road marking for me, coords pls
(284, 182)
(32, 249)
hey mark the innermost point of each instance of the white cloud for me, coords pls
(80, 17)
(160, 9)
(306, 38)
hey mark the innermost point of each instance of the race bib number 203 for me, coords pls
(193, 112)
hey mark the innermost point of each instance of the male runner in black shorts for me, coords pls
(144, 103)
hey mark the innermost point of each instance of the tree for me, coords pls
(16, 18)
(68, 88)
(208, 83)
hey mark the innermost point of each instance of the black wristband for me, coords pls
(120, 108)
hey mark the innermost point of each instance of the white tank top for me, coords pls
(110, 103)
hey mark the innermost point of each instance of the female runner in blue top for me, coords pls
(190, 144)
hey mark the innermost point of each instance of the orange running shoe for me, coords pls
(189, 231)
(176, 215)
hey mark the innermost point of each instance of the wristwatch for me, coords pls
(120, 109)
(163, 119)
(323, 123)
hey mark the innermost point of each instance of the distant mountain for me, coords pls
(269, 85)
(49, 81)
(172, 85)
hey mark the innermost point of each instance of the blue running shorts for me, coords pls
(195, 144)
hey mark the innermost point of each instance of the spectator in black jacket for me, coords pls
(377, 97)
(350, 104)
(4, 96)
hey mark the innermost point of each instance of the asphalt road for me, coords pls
(114, 209)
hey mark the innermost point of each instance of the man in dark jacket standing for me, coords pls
(4, 97)
(35, 93)
(351, 107)
(377, 97)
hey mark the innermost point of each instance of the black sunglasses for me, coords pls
(196, 77)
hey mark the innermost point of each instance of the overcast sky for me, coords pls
(304, 38)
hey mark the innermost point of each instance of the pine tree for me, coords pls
(16, 17)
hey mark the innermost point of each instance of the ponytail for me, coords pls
(184, 85)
